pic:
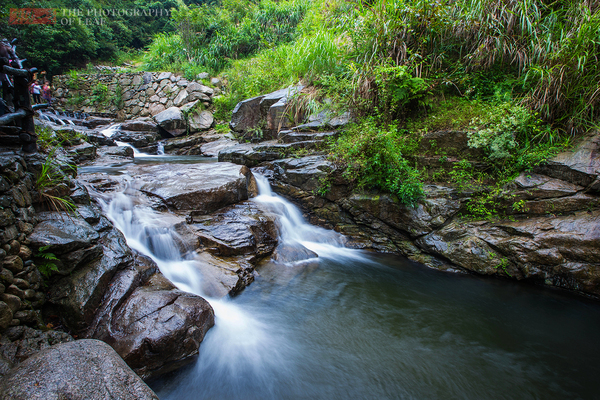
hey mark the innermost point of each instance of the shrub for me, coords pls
(373, 158)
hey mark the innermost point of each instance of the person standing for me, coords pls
(36, 92)
(47, 93)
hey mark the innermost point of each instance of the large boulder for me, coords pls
(200, 187)
(201, 121)
(139, 125)
(212, 149)
(580, 166)
(240, 229)
(172, 121)
(152, 325)
(83, 369)
(251, 114)
(78, 295)
(561, 251)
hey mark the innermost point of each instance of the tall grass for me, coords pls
(552, 47)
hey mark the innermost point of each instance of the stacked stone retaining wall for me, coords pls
(130, 94)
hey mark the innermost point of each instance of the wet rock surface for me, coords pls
(551, 242)
(154, 326)
(200, 187)
(83, 369)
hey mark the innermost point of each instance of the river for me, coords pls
(356, 325)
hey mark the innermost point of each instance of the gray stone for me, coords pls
(62, 234)
(155, 328)
(579, 165)
(213, 148)
(172, 121)
(201, 121)
(203, 75)
(164, 75)
(181, 98)
(200, 187)
(83, 369)
(197, 87)
(6, 315)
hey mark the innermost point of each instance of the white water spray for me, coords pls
(295, 231)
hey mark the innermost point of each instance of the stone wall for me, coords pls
(21, 295)
(129, 95)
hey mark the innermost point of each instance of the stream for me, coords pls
(355, 325)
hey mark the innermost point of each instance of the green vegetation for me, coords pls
(45, 262)
(374, 159)
(209, 37)
(521, 76)
(51, 181)
(78, 37)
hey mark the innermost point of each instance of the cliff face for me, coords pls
(552, 238)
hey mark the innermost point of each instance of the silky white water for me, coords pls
(345, 325)
(244, 342)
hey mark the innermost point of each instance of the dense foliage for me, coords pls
(70, 43)
(209, 37)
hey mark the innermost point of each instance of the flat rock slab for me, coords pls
(200, 187)
(62, 233)
(83, 369)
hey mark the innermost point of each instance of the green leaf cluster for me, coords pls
(372, 156)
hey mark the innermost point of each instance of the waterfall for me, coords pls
(294, 231)
(242, 339)
(160, 148)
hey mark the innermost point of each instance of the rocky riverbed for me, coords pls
(101, 289)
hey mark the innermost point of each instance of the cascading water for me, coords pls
(294, 230)
(344, 325)
(243, 344)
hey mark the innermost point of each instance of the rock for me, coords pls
(78, 295)
(215, 82)
(277, 118)
(293, 253)
(6, 315)
(139, 125)
(82, 152)
(579, 166)
(13, 302)
(157, 328)
(181, 98)
(212, 149)
(137, 139)
(164, 75)
(562, 250)
(200, 187)
(94, 122)
(156, 108)
(203, 75)
(83, 369)
(15, 291)
(246, 115)
(253, 154)
(536, 186)
(62, 234)
(201, 121)
(6, 277)
(21, 283)
(197, 87)
(238, 230)
(172, 121)
(13, 263)
(222, 278)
